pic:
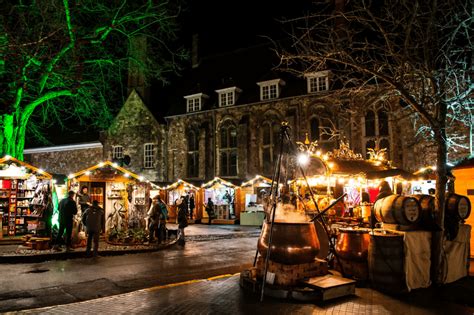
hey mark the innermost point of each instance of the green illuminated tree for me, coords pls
(421, 50)
(68, 60)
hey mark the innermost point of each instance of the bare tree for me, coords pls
(420, 50)
(69, 59)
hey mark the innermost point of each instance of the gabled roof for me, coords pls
(34, 170)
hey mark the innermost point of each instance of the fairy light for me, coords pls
(70, 176)
(8, 157)
(101, 164)
(126, 175)
(87, 173)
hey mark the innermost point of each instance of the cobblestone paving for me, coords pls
(224, 296)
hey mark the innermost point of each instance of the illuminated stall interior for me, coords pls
(223, 194)
(252, 193)
(122, 194)
(175, 191)
(26, 198)
(342, 171)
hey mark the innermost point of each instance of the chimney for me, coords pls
(136, 68)
(195, 51)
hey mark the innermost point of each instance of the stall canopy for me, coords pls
(259, 181)
(180, 182)
(17, 168)
(216, 182)
(85, 174)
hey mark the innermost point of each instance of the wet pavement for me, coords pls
(224, 296)
(64, 281)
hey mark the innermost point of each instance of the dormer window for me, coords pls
(317, 81)
(270, 89)
(194, 102)
(227, 96)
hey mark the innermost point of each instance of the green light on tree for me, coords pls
(66, 62)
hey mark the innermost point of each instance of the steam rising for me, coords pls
(287, 213)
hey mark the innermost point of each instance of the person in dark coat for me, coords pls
(182, 220)
(84, 199)
(153, 219)
(93, 219)
(210, 210)
(67, 211)
(192, 205)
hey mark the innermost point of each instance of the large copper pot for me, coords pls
(353, 244)
(292, 243)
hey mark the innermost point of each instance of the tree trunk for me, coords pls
(12, 136)
(437, 266)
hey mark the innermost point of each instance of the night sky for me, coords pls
(222, 26)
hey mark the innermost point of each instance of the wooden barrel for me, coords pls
(386, 263)
(396, 209)
(428, 212)
(458, 206)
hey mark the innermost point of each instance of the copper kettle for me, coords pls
(292, 243)
(353, 244)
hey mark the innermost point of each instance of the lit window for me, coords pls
(270, 89)
(117, 152)
(228, 96)
(194, 104)
(318, 82)
(149, 155)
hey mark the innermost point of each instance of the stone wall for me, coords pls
(65, 162)
(134, 127)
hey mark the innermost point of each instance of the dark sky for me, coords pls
(222, 26)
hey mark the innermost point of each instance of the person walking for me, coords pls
(182, 221)
(93, 221)
(67, 211)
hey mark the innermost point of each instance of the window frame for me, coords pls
(270, 90)
(317, 82)
(229, 151)
(193, 154)
(114, 152)
(149, 160)
(194, 102)
(377, 137)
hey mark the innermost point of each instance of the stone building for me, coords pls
(224, 119)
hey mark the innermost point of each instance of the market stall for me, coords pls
(26, 199)
(187, 190)
(223, 194)
(251, 197)
(124, 196)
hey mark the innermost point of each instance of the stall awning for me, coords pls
(17, 168)
(218, 181)
(180, 182)
(107, 164)
(257, 180)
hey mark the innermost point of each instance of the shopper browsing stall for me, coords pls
(67, 211)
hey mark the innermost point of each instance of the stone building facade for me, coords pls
(225, 118)
(65, 159)
(137, 140)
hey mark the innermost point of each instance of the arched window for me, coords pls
(228, 150)
(314, 128)
(270, 136)
(370, 124)
(382, 122)
(193, 153)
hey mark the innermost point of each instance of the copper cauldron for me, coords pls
(353, 244)
(292, 243)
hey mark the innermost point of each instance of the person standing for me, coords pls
(192, 205)
(84, 199)
(162, 220)
(210, 210)
(67, 211)
(384, 191)
(93, 220)
(182, 221)
(153, 219)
